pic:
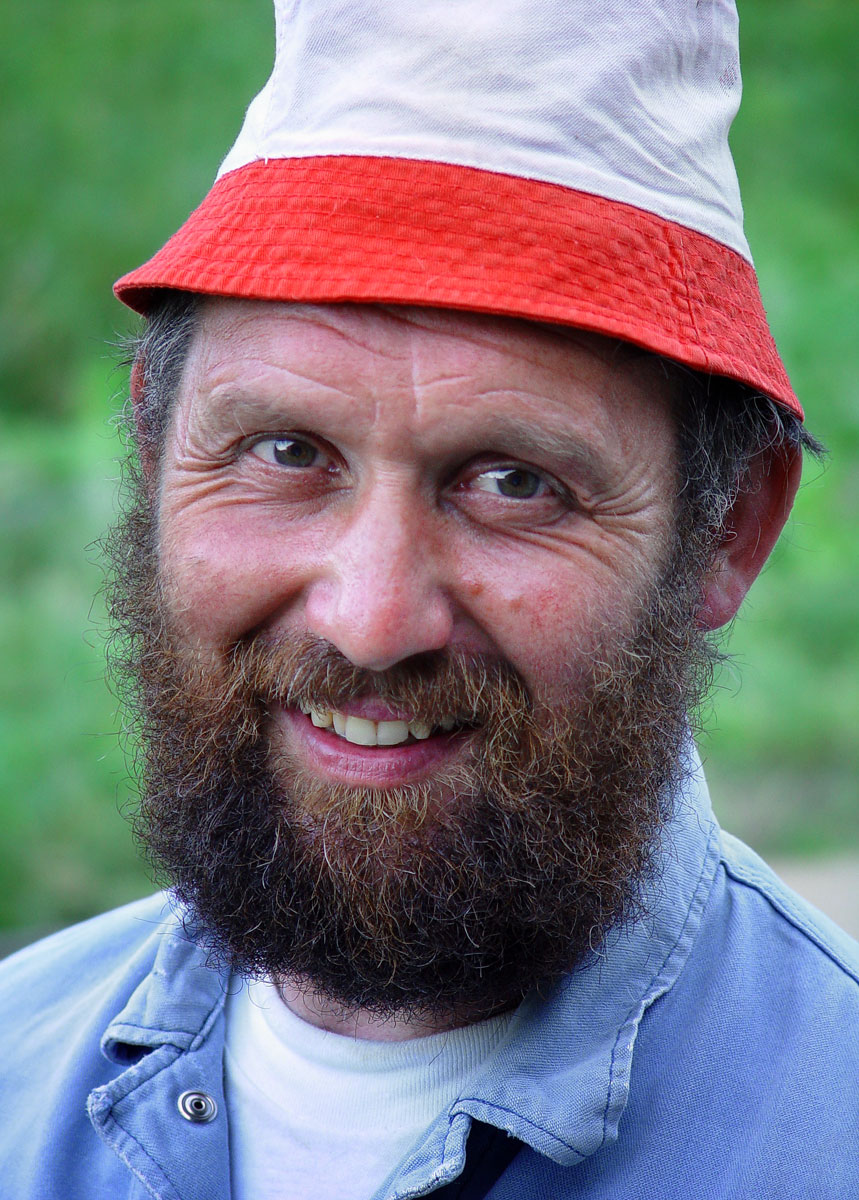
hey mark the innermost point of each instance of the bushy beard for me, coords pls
(447, 900)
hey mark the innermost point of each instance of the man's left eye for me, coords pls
(286, 452)
(516, 483)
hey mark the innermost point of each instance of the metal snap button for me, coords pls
(198, 1107)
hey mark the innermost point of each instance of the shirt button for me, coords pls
(198, 1107)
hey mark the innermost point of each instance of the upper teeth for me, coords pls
(363, 732)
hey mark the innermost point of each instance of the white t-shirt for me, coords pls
(320, 1116)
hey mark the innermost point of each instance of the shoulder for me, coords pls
(748, 1066)
(88, 1017)
(769, 992)
(767, 1005)
(95, 959)
(758, 895)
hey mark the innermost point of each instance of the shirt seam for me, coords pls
(151, 1035)
(100, 1109)
(779, 906)
(155, 1167)
(700, 895)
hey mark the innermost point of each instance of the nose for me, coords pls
(378, 596)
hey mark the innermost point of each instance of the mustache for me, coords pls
(304, 670)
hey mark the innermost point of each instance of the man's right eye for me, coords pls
(286, 451)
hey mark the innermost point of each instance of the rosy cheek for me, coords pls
(536, 607)
(529, 623)
(542, 615)
(222, 582)
(543, 625)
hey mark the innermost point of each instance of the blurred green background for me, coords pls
(114, 120)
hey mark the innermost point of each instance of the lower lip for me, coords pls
(326, 753)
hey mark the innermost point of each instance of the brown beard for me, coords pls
(444, 901)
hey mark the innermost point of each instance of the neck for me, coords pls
(317, 1009)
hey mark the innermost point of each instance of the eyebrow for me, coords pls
(565, 451)
(238, 406)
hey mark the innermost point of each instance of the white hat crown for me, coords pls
(627, 99)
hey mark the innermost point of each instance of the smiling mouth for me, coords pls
(361, 731)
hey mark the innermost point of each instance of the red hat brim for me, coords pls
(404, 231)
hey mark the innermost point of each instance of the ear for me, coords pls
(751, 530)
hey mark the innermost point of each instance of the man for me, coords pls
(459, 429)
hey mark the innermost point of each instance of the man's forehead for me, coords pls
(229, 330)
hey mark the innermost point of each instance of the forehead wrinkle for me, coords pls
(335, 319)
(355, 339)
(267, 387)
(494, 330)
(588, 378)
(593, 364)
(558, 405)
(518, 339)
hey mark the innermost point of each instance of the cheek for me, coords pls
(222, 581)
(545, 626)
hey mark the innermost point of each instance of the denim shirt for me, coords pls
(711, 1049)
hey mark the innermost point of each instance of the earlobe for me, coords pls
(751, 531)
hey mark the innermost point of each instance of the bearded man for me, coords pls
(457, 431)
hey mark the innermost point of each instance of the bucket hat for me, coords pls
(564, 161)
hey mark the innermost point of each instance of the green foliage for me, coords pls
(121, 115)
(118, 117)
(66, 851)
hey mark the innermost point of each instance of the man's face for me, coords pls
(416, 665)
(405, 482)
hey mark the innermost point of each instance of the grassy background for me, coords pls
(120, 115)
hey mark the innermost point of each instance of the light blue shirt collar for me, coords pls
(559, 1079)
